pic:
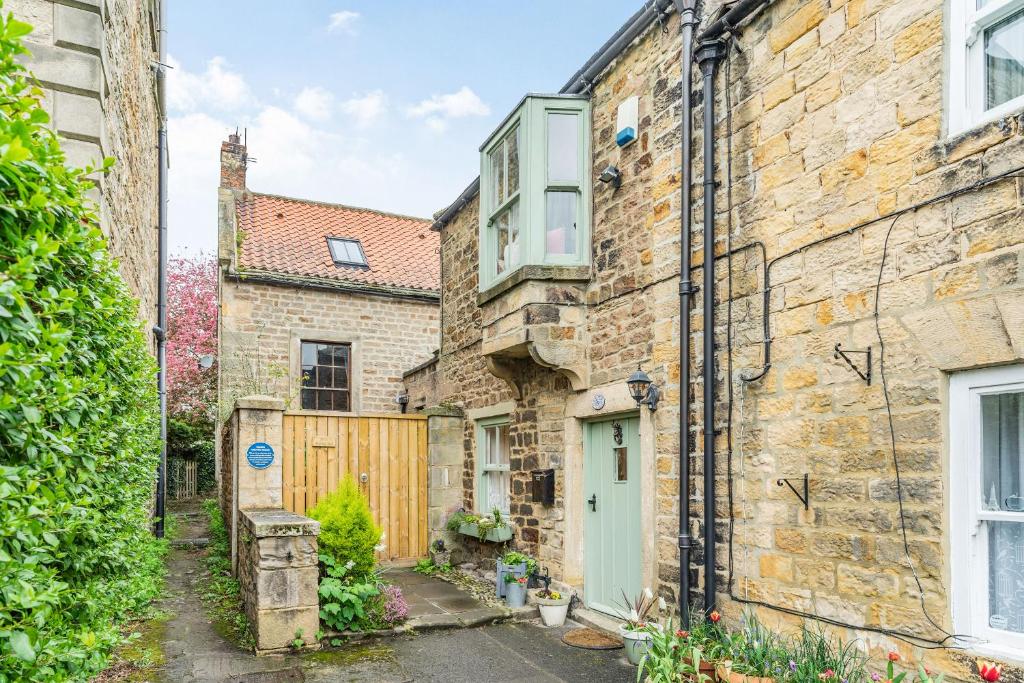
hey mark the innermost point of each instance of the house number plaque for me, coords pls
(598, 401)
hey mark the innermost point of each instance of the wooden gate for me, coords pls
(387, 456)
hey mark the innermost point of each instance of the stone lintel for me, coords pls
(264, 523)
(443, 411)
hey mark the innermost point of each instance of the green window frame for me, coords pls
(535, 189)
(493, 468)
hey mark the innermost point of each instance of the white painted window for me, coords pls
(986, 61)
(346, 252)
(986, 426)
(493, 473)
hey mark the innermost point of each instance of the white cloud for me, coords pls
(464, 102)
(367, 109)
(343, 21)
(217, 87)
(314, 103)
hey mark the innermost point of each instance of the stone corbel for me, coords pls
(507, 371)
(569, 360)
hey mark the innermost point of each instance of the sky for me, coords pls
(380, 104)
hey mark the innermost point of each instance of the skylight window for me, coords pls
(347, 252)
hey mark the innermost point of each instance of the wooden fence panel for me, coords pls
(389, 450)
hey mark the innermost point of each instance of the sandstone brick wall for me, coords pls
(94, 60)
(266, 322)
(837, 120)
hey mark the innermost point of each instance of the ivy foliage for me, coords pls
(78, 409)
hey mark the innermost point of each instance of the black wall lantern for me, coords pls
(643, 390)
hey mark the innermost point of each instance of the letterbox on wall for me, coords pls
(542, 484)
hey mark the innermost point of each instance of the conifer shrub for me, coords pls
(347, 531)
(79, 421)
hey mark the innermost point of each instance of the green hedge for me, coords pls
(78, 410)
(191, 441)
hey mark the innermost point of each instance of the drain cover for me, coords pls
(589, 639)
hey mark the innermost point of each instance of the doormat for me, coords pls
(589, 639)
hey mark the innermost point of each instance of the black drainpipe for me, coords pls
(160, 331)
(686, 290)
(708, 56)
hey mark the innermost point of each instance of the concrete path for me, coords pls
(195, 651)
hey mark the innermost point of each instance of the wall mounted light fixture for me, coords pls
(611, 175)
(643, 390)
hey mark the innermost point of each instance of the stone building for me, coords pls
(869, 155)
(95, 60)
(322, 305)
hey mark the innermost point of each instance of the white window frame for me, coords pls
(966, 79)
(968, 537)
(483, 469)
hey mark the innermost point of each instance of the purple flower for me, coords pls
(792, 665)
(876, 677)
(396, 609)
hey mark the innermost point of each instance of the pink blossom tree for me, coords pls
(191, 334)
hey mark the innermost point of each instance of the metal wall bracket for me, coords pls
(840, 353)
(805, 498)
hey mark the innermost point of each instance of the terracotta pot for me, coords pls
(707, 668)
(725, 673)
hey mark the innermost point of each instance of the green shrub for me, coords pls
(79, 423)
(347, 531)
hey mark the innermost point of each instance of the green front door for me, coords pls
(611, 542)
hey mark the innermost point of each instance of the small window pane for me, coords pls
(512, 143)
(496, 446)
(346, 252)
(1006, 576)
(561, 223)
(507, 239)
(1004, 61)
(498, 175)
(1002, 461)
(308, 399)
(621, 464)
(562, 148)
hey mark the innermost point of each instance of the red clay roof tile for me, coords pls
(289, 236)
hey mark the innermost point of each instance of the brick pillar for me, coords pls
(256, 461)
(233, 160)
(444, 465)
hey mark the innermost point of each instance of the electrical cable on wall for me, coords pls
(919, 641)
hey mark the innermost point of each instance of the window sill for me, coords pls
(566, 273)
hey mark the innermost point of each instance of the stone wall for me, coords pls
(262, 326)
(94, 60)
(836, 120)
(278, 575)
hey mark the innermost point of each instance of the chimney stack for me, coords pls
(233, 160)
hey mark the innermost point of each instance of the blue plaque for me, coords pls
(260, 455)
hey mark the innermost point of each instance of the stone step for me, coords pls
(201, 542)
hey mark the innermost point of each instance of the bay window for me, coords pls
(986, 61)
(987, 506)
(534, 200)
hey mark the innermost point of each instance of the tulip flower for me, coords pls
(715, 617)
(989, 671)
(894, 656)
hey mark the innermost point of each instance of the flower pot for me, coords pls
(515, 594)
(636, 644)
(552, 612)
(707, 668)
(501, 569)
(726, 674)
(498, 534)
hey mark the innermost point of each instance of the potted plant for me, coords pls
(515, 590)
(512, 562)
(672, 658)
(439, 553)
(491, 527)
(553, 606)
(709, 636)
(758, 655)
(637, 631)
